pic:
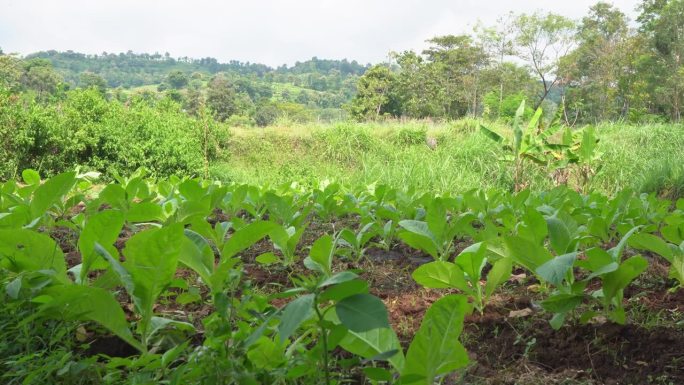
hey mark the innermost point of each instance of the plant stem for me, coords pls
(324, 336)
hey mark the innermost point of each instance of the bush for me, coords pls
(84, 129)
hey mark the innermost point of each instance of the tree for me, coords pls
(221, 97)
(594, 70)
(266, 114)
(372, 93)
(663, 24)
(10, 73)
(92, 80)
(457, 62)
(40, 77)
(499, 43)
(417, 89)
(541, 41)
(177, 79)
(194, 102)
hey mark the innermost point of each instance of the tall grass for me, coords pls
(647, 158)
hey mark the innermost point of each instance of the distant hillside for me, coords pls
(133, 70)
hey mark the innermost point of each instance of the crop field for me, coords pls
(182, 280)
(333, 193)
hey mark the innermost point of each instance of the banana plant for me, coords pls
(527, 144)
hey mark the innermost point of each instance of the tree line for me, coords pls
(602, 67)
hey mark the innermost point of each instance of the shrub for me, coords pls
(87, 130)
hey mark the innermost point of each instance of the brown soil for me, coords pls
(602, 354)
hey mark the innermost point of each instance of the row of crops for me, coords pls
(138, 244)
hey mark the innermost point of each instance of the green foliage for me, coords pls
(87, 130)
(177, 225)
(435, 350)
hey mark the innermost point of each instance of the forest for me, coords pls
(502, 206)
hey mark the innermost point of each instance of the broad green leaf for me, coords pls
(377, 374)
(338, 278)
(673, 233)
(526, 253)
(472, 260)
(26, 250)
(321, 254)
(151, 260)
(418, 236)
(343, 290)
(267, 259)
(114, 195)
(616, 252)
(157, 324)
(491, 134)
(559, 235)
(498, 275)
(294, 314)
(362, 312)
(562, 302)
(196, 253)
(588, 145)
(556, 270)
(30, 177)
(246, 237)
(51, 192)
(371, 343)
(267, 354)
(677, 269)
(436, 219)
(619, 279)
(102, 227)
(89, 304)
(435, 349)
(650, 242)
(145, 212)
(440, 275)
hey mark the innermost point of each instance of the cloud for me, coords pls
(264, 31)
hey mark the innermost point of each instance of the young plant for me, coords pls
(152, 257)
(386, 219)
(285, 239)
(355, 243)
(607, 266)
(465, 274)
(338, 303)
(436, 234)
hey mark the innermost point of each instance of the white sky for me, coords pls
(272, 32)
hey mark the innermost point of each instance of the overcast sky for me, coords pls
(272, 32)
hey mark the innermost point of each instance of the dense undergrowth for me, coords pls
(112, 137)
(453, 157)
